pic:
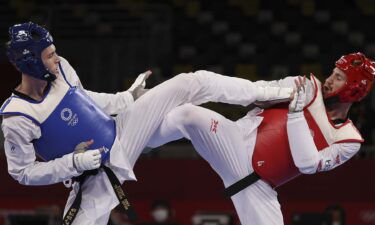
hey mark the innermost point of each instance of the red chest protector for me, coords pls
(272, 159)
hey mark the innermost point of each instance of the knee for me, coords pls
(194, 117)
(196, 80)
(189, 116)
(182, 80)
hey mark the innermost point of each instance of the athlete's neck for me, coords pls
(337, 111)
(32, 87)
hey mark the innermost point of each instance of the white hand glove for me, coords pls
(299, 96)
(298, 102)
(88, 160)
(138, 87)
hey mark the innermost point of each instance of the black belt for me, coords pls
(241, 184)
(116, 185)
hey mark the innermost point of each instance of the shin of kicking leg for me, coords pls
(233, 90)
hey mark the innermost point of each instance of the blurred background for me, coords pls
(109, 42)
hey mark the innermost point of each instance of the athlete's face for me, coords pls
(51, 59)
(334, 82)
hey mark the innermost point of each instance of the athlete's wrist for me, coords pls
(293, 115)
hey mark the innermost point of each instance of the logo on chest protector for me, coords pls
(104, 149)
(68, 116)
(260, 163)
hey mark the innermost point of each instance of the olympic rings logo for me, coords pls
(68, 116)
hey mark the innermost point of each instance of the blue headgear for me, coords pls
(27, 41)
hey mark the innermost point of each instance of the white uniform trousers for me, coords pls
(227, 146)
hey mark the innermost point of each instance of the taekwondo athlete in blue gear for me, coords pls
(48, 116)
(63, 110)
(65, 101)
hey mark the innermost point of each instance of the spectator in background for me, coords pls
(162, 214)
(118, 217)
(337, 213)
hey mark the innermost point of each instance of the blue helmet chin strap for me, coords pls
(27, 41)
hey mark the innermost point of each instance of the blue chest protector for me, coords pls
(75, 119)
(66, 117)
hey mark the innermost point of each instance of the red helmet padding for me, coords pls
(360, 72)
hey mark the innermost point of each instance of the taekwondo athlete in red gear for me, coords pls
(50, 113)
(313, 135)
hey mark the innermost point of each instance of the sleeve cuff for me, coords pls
(294, 115)
(128, 97)
(70, 165)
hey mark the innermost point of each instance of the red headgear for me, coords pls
(360, 73)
